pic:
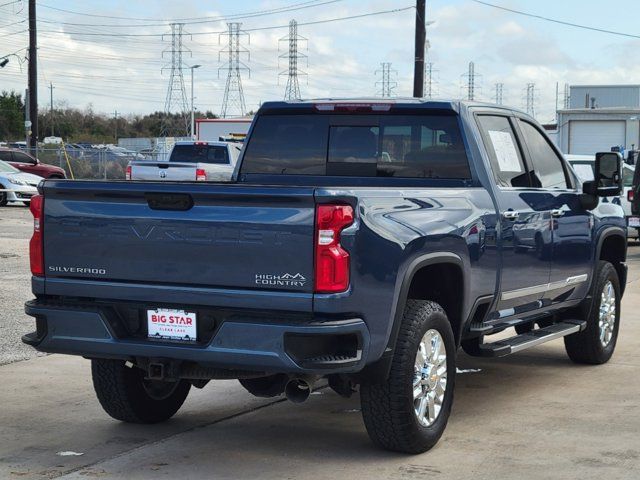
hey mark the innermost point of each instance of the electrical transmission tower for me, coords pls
(292, 91)
(470, 85)
(233, 101)
(499, 91)
(429, 80)
(176, 100)
(386, 84)
(530, 99)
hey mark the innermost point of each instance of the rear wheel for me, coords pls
(595, 344)
(408, 412)
(126, 395)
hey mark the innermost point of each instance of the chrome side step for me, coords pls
(530, 339)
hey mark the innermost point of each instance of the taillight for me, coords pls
(201, 175)
(630, 195)
(332, 261)
(127, 174)
(36, 251)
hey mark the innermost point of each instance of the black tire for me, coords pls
(388, 407)
(3, 198)
(127, 396)
(585, 346)
(265, 387)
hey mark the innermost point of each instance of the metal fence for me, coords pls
(91, 162)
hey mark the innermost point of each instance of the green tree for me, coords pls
(11, 116)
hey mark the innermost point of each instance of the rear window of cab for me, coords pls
(404, 146)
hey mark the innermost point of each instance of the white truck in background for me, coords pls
(190, 161)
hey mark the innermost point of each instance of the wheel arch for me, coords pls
(612, 247)
(415, 283)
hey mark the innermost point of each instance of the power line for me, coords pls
(200, 20)
(186, 20)
(553, 20)
(272, 27)
(292, 90)
(233, 95)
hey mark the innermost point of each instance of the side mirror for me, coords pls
(608, 178)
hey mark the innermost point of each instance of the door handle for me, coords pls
(557, 213)
(510, 215)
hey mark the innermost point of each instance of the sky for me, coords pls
(108, 55)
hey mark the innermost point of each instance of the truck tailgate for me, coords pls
(182, 234)
(168, 171)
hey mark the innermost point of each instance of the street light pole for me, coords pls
(193, 112)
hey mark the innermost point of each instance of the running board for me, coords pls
(530, 339)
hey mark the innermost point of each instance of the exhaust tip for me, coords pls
(297, 390)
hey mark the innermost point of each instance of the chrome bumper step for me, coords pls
(530, 339)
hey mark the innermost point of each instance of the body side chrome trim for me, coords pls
(524, 292)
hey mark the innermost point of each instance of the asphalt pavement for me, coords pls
(531, 415)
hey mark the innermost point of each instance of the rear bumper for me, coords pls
(255, 346)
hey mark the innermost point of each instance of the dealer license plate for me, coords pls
(170, 324)
(634, 221)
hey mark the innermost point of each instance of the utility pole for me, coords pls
(27, 118)
(421, 37)
(115, 118)
(233, 94)
(193, 109)
(499, 92)
(386, 85)
(33, 75)
(292, 90)
(51, 92)
(557, 98)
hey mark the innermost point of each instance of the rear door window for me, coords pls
(504, 153)
(5, 156)
(407, 146)
(215, 154)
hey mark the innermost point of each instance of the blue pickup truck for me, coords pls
(361, 242)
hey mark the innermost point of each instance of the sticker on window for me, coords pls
(506, 152)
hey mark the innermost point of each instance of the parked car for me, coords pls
(27, 163)
(584, 166)
(345, 248)
(16, 186)
(189, 161)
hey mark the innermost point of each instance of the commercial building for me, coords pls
(600, 117)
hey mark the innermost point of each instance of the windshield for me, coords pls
(6, 168)
(216, 154)
(405, 146)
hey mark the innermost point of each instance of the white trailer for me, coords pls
(212, 129)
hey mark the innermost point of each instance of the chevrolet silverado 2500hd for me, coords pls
(361, 241)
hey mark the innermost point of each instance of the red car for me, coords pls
(29, 164)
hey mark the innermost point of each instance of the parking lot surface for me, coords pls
(531, 415)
